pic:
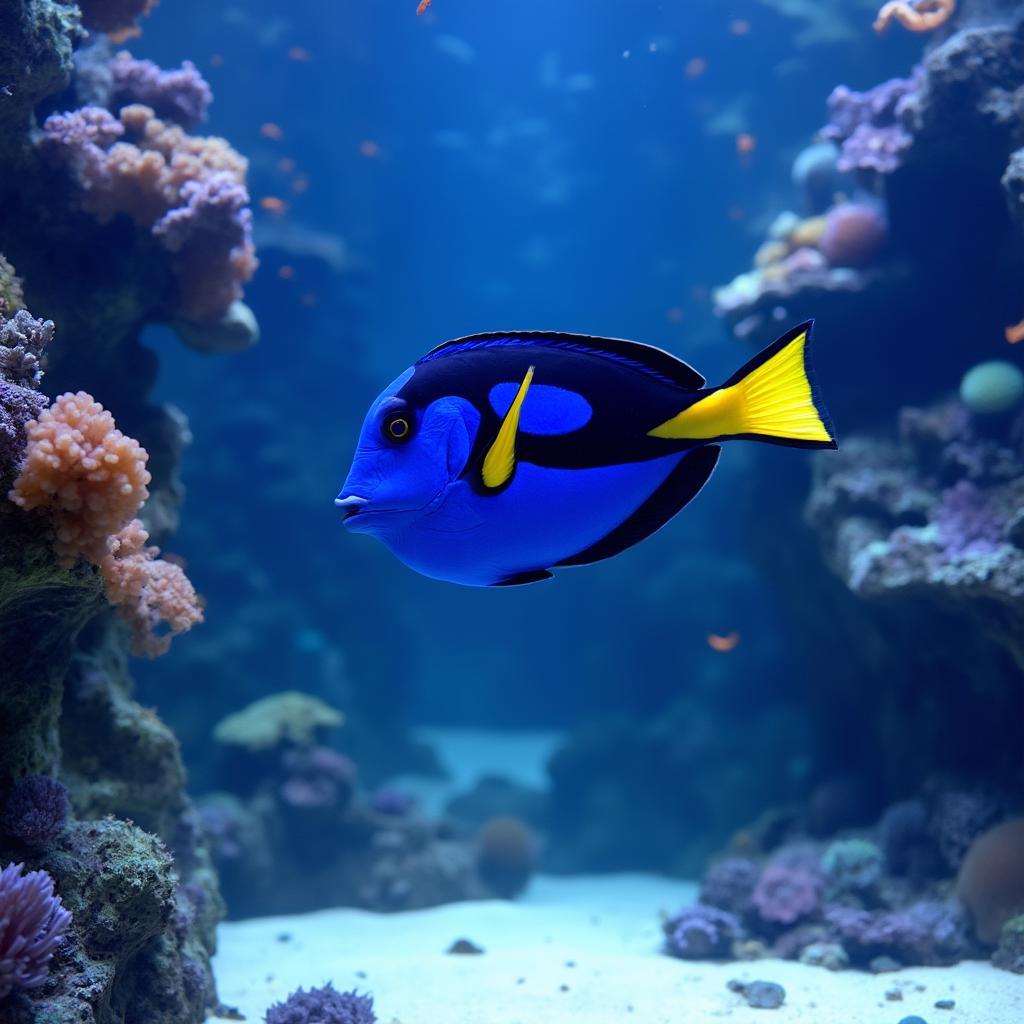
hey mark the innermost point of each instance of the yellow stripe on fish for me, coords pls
(500, 460)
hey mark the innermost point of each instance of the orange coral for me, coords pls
(154, 596)
(916, 15)
(93, 478)
(80, 466)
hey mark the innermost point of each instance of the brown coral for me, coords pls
(915, 15)
(80, 466)
(991, 881)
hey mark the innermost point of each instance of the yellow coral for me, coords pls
(289, 716)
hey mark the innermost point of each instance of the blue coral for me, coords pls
(32, 924)
(323, 1006)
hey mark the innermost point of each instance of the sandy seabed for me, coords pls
(571, 950)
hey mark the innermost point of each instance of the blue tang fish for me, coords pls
(499, 457)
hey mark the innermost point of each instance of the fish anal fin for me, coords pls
(677, 490)
(520, 579)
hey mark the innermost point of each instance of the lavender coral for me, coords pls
(32, 924)
(23, 340)
(35, 810)
(729, 885)
(181, 95)
(787, 893)
(189, 191)
(872, 127)
(323, 1006)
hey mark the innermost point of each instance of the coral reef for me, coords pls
(323, 1006)
(36, 810)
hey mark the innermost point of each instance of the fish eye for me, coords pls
(397, 427)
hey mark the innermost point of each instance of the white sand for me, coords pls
(579, 949)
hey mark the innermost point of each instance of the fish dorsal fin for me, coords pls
(646, 358)
(500, 461)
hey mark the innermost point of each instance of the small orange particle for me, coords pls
(695, 67)
(269, 130)
(273, 205)
(1015, 333)
(299, 54)
(723, 644)
(369, 149)
(217, 60)
(745, 144)
(300, 185)
(286, 272)
(674, 314)
(286, 165)
(424, 4)
(739, 27)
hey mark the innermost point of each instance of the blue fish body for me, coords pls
(498, 458)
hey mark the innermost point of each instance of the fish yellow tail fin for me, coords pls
(772, 398)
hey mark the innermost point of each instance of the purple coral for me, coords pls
(701, 932)
(320, 777)
(967, 523)
(925, 933)
(23, 339)
(787, 893)
(323, 1006)
(392, 802)
(729, 885)
(18, 405)
(35, 811)
(903, 835)
(32, 923)
(871, 127)
(181, 95)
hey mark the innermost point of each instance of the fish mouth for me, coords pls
(351, 505)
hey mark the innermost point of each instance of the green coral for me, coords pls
(1010, 954)
(287, 717)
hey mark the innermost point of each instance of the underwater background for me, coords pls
(823, 648)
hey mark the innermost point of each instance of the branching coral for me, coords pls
(915, 15)
(86, 472)
(153, 595)
(188, 190)
(93, 479)
(181, 95)
(23, 340)
(32, 924)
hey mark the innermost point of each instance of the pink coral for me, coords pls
(80, 466)
(785, 894)
(154, 596)
(854, 232)
(93, 479)
(188, 190)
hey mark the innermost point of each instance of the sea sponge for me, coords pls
(90, 476)
(506, 855)
(853, 234)
(991, 879)
(287, 717)
(992, 388)
(32, 924)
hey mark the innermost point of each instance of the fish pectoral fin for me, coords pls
(520, 579)
(500, 461)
